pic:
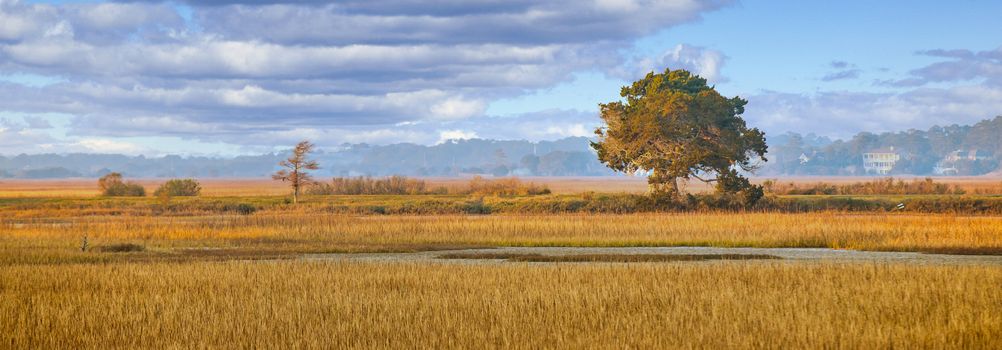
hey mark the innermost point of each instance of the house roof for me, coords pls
(972, 152)
(882, 150)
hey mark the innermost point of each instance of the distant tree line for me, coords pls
(920, 150)
(565, 157)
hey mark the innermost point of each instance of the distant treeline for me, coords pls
(565, 157)
(789, 154)
(921, 151)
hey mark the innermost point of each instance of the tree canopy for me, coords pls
(674, 126)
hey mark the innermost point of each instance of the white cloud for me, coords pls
(16, 140)
(843, 113)
(108, 146)
(457, 108)
(277, 69)
(569, 130)
(35, 122)
(448, 135)
(704, 62)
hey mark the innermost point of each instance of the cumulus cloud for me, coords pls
(15, 139)
(960, 66)
(843, 70)
(843, 113)
(281, 68)
(842, 75)
(35, 122)
(513, 22)
(704, 62)
(94, 145)
(449, 135)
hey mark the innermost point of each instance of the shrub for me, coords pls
(129, 189)
(109, 180)
(880, 186)
(367, 185)
(244, 209)
(179, 188)
(751, 195)
(476, 206)
(121, 248)
(400, 185)
(504, 187)
(112, 186)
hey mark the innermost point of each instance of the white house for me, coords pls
(804, 158)
(948, 165)
(880, 161)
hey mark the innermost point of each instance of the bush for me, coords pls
(130, 189)
(880, 186)
(751, 195)
(479, 186)
(400, 185)
(179, 188)
(366, 185)
(476, 206)
(121, 248)
(244, 209)
(112, 186)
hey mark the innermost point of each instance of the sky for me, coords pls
(204, 77)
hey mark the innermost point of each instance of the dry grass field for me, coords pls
(560, 185)
(78, 271)
(43, 241)
(650, 305)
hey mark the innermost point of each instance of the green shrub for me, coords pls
(399, 185)
(129, 189)
(874, 187)
(244, 209)
(112, 186)
(121, 248)
(476, 206)
(506, 187)
(179, 188)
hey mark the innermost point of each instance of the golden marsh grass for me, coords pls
(562, 185)
(191, 279)
(339, 305)
(45, 240)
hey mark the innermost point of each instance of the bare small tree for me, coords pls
(296, 167)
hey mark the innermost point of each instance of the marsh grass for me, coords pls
(375, 305)
(963, 250)
(277, 234)
(584, 203)
(211, 274)
(633, 258)
(616, 258)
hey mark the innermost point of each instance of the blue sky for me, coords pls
(225, 77)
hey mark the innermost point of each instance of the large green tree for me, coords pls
(674, 127)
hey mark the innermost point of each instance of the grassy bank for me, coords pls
(590, 203)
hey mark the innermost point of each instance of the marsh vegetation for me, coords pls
(92, 271)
